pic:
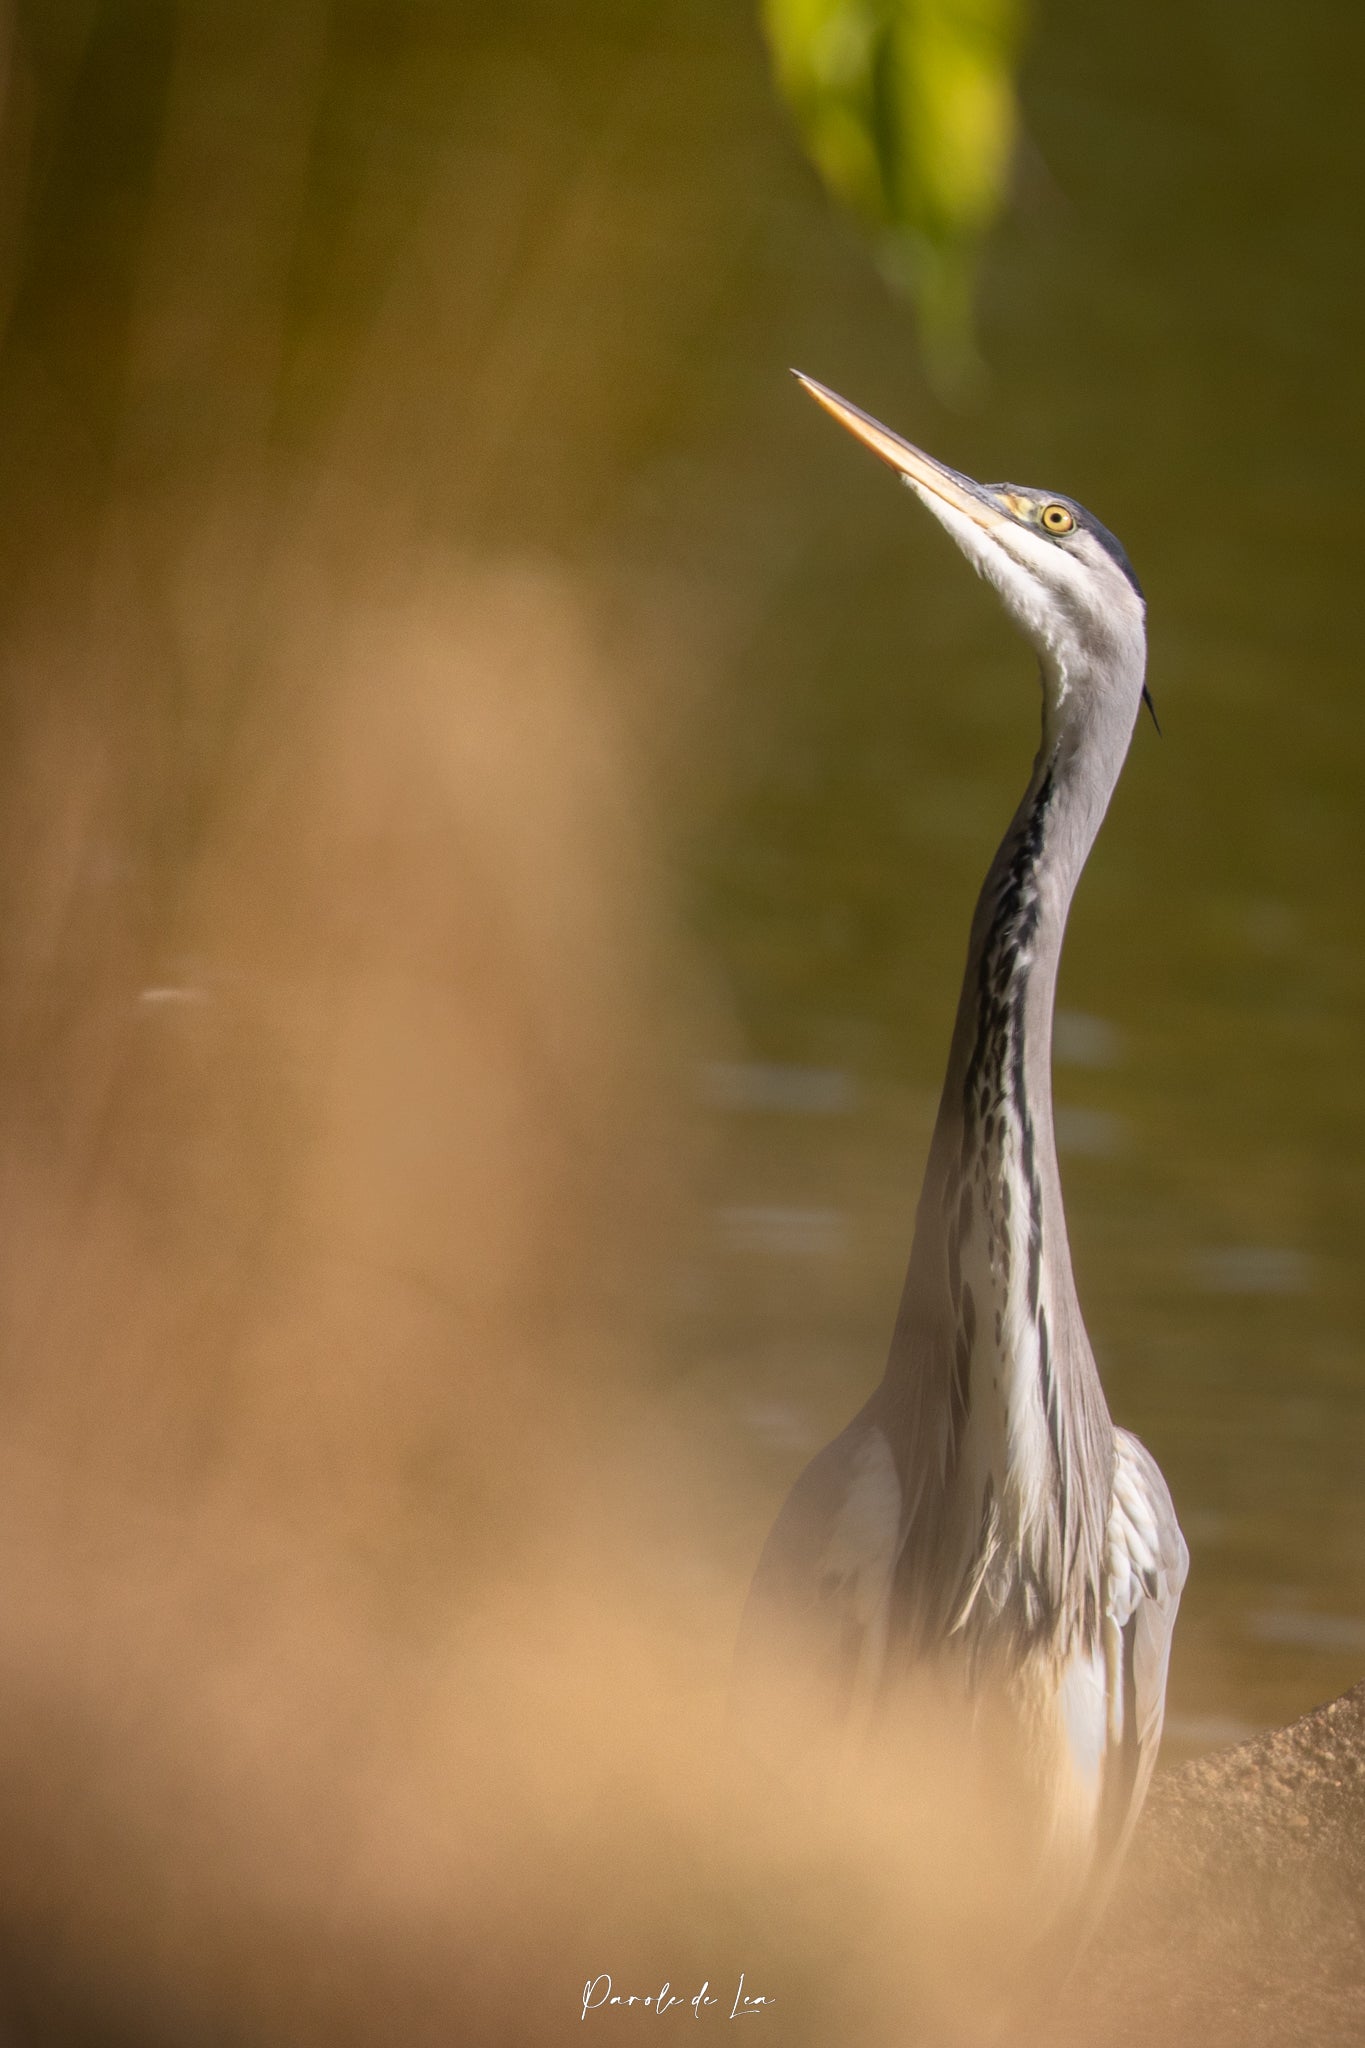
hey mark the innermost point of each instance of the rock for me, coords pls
(1239, 1921)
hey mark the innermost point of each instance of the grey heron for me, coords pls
(981, 1516)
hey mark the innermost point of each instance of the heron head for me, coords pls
(1063, 578)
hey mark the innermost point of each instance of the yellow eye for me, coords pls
(1057, 519)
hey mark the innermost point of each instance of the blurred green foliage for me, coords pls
(908, 109)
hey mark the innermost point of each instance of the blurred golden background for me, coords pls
(493, 792)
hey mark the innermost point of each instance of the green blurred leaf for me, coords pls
(908, 109)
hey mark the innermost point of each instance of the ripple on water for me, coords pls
(1252, 1269)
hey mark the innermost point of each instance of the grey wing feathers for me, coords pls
(1146, 1566)
(813, 1634)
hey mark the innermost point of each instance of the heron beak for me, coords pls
(919, 470)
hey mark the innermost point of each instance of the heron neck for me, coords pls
(989, 1324)
(1000, 1065)
(999, 1081)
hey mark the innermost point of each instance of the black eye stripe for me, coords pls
(1034, 503)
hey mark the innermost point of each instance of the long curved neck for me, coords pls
(990, 1331)
(1000, 1063)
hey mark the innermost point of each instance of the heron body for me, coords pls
(981, 1517)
